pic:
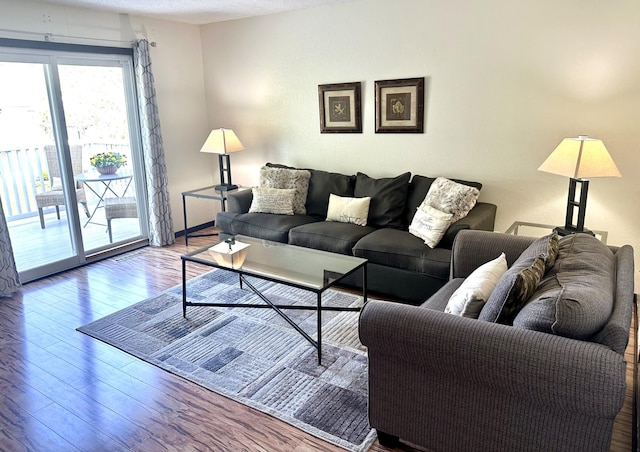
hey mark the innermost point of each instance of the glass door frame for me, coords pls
(50, 55)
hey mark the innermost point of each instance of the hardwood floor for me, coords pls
(63, 391)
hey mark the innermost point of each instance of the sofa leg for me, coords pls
(387, 440)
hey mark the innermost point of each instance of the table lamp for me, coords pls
(579, 159)
(223, 142)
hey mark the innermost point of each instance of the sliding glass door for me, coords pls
(70, 160)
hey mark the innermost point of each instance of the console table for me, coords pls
(204, 193)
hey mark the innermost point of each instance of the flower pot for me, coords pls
(107, 169)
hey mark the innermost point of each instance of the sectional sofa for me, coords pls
(548, 375)
(400, 266)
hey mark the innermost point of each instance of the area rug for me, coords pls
(252, 355)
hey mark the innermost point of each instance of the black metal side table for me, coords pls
(205, 193)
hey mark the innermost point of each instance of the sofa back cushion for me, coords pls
(575, 298)
(388, 199)
(321, 185)
(417, 192)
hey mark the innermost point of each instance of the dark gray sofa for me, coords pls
(451, 383)
(400, 265)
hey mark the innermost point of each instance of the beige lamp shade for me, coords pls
(222, 141)
(581, 158)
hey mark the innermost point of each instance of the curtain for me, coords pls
(9, 282)
(160, 222)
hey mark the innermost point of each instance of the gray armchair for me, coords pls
(450, 383)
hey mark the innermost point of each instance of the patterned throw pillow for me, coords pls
(451, 197)
(525, 285)
(515, 289)
(430, 224)
(348, 210)
(272, 200)
(285, 178)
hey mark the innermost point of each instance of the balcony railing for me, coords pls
(24, 173)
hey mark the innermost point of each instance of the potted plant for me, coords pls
(108, 162)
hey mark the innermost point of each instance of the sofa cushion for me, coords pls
(328, 236)
(267, 226)
(348, 210)
(271, 177)
(430, 224)
(388, 198)
(469, 299)
(575, 299)
(418, 189)
(321, 185)
(272, 200)
(396, 248)
(519, 282)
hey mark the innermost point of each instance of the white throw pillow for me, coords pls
(348, 210)
(451, 197)
(273, 200)
(469, 299)
(430, 224)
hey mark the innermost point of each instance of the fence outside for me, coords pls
(24, 173)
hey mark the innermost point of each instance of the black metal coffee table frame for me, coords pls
(278, 308)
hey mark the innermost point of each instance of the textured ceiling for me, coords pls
(196, 11)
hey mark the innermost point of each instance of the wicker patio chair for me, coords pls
(55, 196)
(125, 207)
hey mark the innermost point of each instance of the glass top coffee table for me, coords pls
(294, 266)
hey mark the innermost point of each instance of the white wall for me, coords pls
(177, 67)
(505, 83)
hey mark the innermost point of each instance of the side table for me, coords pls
(539, 229)
(205, 193)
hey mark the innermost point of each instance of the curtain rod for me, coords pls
(47, 36)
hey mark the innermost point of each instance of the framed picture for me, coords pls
(340, 110)
(400, 105)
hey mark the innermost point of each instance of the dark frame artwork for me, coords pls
(400, 105)
(340, 109)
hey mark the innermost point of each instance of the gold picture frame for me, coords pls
(340, 108)
(400, 105)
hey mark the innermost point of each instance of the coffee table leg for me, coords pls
(319, 328)
(184, 288)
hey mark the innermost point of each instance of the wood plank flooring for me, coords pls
(63, 391)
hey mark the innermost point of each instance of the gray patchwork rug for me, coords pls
(252, 355)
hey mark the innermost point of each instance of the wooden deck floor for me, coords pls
(61, 390)
(34, 246)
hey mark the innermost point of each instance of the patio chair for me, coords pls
(55, 196)
(125, 207)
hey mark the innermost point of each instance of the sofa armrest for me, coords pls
(550, 372)
(240, 201)
(482, 217)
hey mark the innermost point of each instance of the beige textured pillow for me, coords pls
(288, 178)
(430, 224)
(272, 200)
(348, 210)
(469, 299)
(451, 197)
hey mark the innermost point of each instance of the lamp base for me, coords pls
(225, 187)
(565, 230)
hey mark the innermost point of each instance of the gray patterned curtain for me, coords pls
(9, 282)
(160, 222)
